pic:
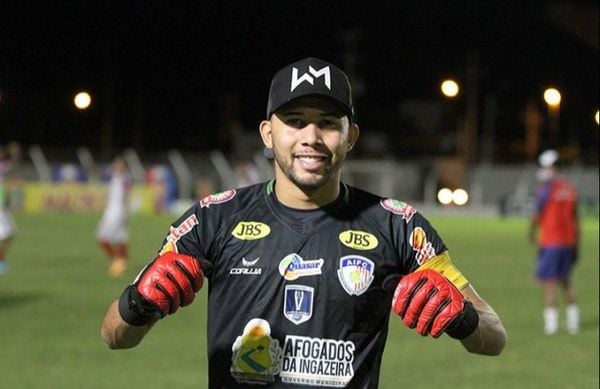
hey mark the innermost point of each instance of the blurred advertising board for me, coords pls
(79, 197)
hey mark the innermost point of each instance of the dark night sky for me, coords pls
(170, 75)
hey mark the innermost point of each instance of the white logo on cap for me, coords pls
(308, 78)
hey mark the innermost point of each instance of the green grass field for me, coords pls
(53, 300)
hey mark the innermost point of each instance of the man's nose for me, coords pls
(311, 134)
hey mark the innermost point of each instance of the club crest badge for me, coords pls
(356, 274)
(298, 303)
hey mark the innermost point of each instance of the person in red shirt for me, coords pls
(554, 228)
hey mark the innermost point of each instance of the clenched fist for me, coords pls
(429, 302)
(169, 282)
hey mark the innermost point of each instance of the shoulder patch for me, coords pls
(217, 198)
(397, 207)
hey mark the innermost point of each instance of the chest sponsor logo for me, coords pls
(217, 198)
(317, 361)
(293, 266)
(248, 268)
(175, 233)
(256, 356)
(420, 244)
(356, 274)
(248, 230)
(298, 303)
(358, 240)
(396, 207)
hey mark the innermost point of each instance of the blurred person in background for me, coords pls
(7, 224)
(554, 227)
(204, 186)
(247, 173)
(113, 230)
(305, 270)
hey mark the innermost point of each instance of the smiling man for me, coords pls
(304, 270)
(310, 137)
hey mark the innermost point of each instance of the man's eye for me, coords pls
(294, 122)
(326, 123)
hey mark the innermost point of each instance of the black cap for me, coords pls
(310, 77)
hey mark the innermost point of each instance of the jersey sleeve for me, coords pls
(418, 244)
(185, 237)
(195, 232)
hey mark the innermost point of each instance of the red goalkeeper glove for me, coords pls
(429, 302)
(169, 282)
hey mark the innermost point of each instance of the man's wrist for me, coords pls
(134, 310)
(465, 324)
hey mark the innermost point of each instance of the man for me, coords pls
(113, 231)
(556, 219)
(304, 270)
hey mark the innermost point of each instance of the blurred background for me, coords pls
(449, 95)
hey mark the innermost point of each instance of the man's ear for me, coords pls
(265, 133)
(353, 132)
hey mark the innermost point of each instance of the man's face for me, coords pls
(310, 138)
(545, 174)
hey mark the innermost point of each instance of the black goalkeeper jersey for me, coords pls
(295, 298)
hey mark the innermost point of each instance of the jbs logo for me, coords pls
(325, 73)
(358, 240)
(249, 230)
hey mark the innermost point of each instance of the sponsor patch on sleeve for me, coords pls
(421, 245)
(175, 233)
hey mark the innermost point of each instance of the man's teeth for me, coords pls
(310, 159)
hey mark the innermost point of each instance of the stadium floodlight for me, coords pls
(449, 88)
(444, 196)
(552, 97)
(460, 196)
(82, 100)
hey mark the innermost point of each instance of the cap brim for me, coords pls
(343, 108)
